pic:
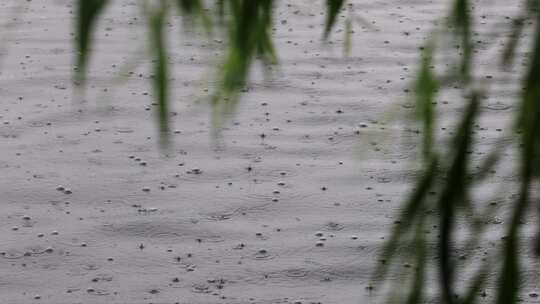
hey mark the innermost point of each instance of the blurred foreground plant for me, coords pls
(247, 23)
(441, 198)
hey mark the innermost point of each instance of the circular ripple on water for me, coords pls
(113, 202)
(262, 207)
(36, 124)
(111, 207)
(293, 195)
(333, 226)
(82, 269)
(341, 272)
(497, 106)
(211, 238)
(253, 204)
(17, 253)
(287, 277)
(263, 256)
(100, 292)
(296, 273)
(165, 234)
(336, 139)
(82, 242)
(146, 229)
(218, 216)
(274, 174)
(213, 176)
(384, 179)
(307, 139)
(12, 254)
(258, 198)
(124, 130)
(201, 288)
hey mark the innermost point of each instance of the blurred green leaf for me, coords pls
(529, 123)
(249, 26)
(417, 288)
(332, 10)
(88, 12)
(347, 44)
(195, 9)
(454, 193)
(509, 51)
(158, 49)
(441, 197)
(476, 285)
(413, 207)
(426, 87)
(461, 20)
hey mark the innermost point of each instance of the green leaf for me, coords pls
(426, 87)
(477, 282)
(460, 19)
(196, 10)
(412, 210)
(510, 49)
(332, 10)
(454, 193)
(88, 12)
(249, 28)
(417, 288)
(160, 82)
(347, 44)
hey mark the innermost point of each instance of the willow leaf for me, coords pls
(196, 10)
(161, 68)
(332, 10)
(426, 87)
(88, 12)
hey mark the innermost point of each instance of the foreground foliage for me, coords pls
(442, 195)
